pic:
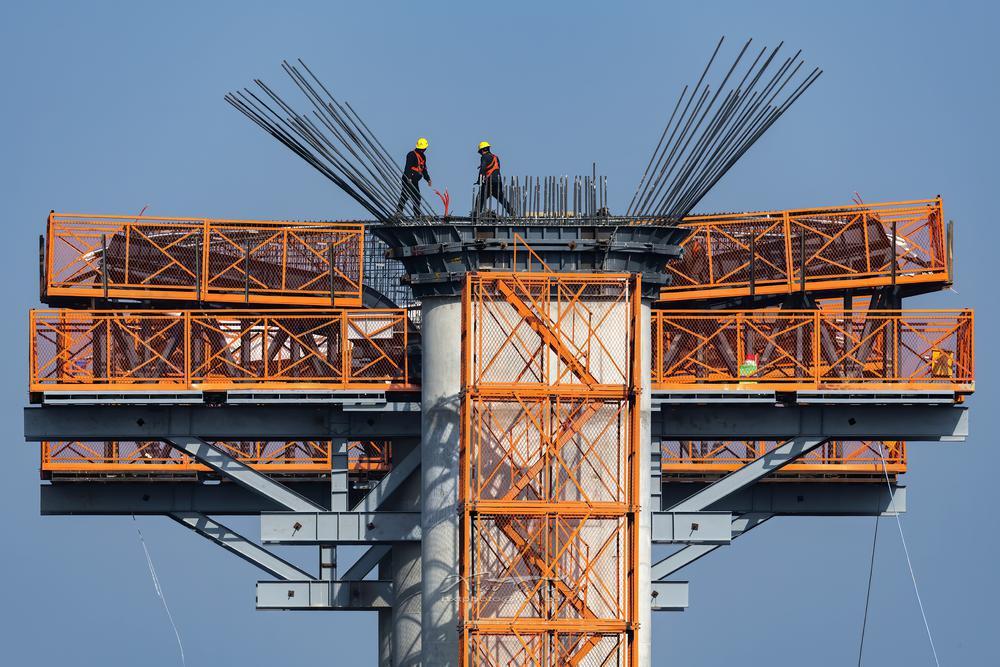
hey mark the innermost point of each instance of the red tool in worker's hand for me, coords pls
(445, 199)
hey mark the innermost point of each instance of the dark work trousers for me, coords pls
(492, 187)
(411, 191)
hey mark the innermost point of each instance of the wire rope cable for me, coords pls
(159, 589)
(906, 552)
(868, 593)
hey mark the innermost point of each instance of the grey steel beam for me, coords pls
(748, 474)
(233, 542)
(724, 421)
(400, 472)
(691, 527)
(339, 527)
(689, 554)
(339, 476)
(369, 559)
(148, 498)
(221, 462)
(669, 595)
(324, 595)
(260, 422)
(812, 498)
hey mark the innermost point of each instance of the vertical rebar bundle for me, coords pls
(552, 197)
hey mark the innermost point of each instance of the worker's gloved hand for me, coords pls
(430, 184)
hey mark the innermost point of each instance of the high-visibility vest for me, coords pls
(421, 161)
(493, 168)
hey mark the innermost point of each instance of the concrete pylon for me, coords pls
(441, 336)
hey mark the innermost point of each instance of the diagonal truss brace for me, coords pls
(219, 461)
(233, 542)
(689, 554)
(748, 474)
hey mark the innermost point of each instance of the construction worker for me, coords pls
(413, 171)
(490, 183)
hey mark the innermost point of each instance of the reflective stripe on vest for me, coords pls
(421, 161)
(493, 168)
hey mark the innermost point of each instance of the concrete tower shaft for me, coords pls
(614, 543)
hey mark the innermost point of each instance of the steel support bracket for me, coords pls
(339, 527)
(669, 595)
(692, 527)
(324, 595)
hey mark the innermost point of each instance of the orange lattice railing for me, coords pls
(550, 465)
(218, 350)
(196, 259)
(840, 458)
(779, 252)
(149, 456)
(814, 350)
(369, 456)
(153, 456)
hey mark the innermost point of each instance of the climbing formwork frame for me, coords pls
(549, 469)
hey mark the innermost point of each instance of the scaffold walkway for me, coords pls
(199, 260)
(853, 249)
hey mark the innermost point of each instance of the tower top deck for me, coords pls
(437, 255)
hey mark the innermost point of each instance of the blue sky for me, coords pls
(110, 107)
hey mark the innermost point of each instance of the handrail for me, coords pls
(836, 457)
(201, 259)
(789, 350)
(218, 350)
(833, 248)
(154, 456)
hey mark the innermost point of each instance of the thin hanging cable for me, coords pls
(159, 590)
(868, 594)
(906, 551)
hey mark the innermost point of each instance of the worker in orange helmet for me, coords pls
(490, 183)
(414, 170)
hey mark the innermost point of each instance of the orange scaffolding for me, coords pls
(218, 350)
(782, 350)
(550, 468)
(197, 259)
(684, 458)
(153, 456)
(834, 249)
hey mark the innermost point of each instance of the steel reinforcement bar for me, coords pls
(784, 350)
(841, 248)
(218, 350)
(202, 260)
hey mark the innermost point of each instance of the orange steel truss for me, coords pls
(197, 259)
(680, 458)
(550, 469)
(149, 456)
(840, 248)
(812, 350)
(218, 350)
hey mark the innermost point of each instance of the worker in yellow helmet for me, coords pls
(413, 171)
(490, 183)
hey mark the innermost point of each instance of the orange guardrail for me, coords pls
(154, 456)
(706, 457)
(197, 259)
(218, 350)
(837, 248)
(814, 350)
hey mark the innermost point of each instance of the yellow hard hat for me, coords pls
(421, 143)
(484, 144)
